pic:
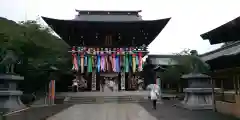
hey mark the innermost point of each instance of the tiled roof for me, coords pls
(227, 50)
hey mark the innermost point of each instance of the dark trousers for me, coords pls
(154, 104)
(102, 87)
(75, 89)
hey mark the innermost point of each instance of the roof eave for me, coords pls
(226, 28)
(163, 23)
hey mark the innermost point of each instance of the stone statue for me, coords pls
(9, 59)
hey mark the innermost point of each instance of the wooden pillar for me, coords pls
(238, 84)
(94, 80)
(122, 81)
(222, 89)
(235, 85)
(237, 97)
(213, 95)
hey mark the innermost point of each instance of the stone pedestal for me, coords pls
(198, 95)
(9, 96)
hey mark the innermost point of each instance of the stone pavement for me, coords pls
(167, 111)
(135, 111)
(108, 111)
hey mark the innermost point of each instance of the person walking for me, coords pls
(75, 84)
(102, 83)
(154, 96)
(111, 85)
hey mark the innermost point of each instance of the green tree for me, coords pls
(188, 62)
(38, 50)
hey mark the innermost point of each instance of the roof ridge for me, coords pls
(220, 49)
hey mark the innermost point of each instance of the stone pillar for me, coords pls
(122, 80)
(9, 96)
(94, 80)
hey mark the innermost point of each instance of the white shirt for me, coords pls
(75, 82)
(153, 95)
(111, 83)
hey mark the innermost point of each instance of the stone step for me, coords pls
(106, 99)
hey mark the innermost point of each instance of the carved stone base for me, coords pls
(10, 101)
(197, 99)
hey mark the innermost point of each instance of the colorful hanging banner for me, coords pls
(107, 59)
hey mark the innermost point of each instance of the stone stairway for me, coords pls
(104, 99)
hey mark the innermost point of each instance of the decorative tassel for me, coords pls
(102, 61)
(110, 61)
(75, 63)
(114, 61)
(85, 60)
(105, 60)
(130, 57)
(85, 57)
(117, 61)
(94, 57)
(121, 58)
(78, 57)
(81, 59)
(137, 60)
(98, 63)
(89, 61)
(134, 62)
(126, 62)
(98, 60)
(140, 66)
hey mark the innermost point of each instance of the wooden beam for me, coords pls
(224, 73)
(228, 70)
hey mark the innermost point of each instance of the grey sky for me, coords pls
(190, 18)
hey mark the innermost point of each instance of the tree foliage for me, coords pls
(187, 62)
(37, 48)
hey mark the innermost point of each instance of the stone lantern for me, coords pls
(198, 95)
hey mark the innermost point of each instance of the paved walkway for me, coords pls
(108, 111)
(167, 111)
(135, 111)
